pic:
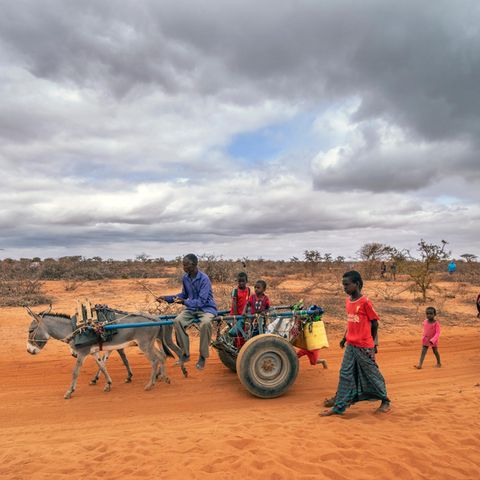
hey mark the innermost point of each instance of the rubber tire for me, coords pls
(259, 349)
(229, 361)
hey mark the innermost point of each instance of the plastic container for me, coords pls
(315, 335)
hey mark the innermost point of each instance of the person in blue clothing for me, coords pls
(452, 267)
(197, 296)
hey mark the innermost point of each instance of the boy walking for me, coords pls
(360, 377)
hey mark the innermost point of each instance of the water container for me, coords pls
(315, 335)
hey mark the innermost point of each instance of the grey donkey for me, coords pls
(165, 336)
(45, 325)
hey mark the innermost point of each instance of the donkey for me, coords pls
(165, 336)
(45, 325)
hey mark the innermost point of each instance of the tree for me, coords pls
(371, 254)
(421, 270)
(469, 257)
(313, 259)
(373, 251)
(142, 257)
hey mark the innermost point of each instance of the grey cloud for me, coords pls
(105, 97)
(390, 164)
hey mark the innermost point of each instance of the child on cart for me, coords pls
(240, 295)
(257, 303)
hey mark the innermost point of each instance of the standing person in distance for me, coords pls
(431, 335)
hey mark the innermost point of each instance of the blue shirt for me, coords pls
(452, 267)
(197, 293)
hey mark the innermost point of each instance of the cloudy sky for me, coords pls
(238, 128)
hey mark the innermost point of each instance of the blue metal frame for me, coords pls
(165, 319)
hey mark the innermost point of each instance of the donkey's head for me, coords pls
(37, 332)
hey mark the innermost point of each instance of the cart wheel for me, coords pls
(228, 360)
(267, 366)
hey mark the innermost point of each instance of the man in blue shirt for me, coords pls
(197, 296)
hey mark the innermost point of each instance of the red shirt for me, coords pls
(259, 304)
(360, 313)
(431, 333)
(239, 301)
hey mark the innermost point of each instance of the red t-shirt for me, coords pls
(239, 301)
(259, 304)
(360, 313)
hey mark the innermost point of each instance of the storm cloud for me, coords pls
(121, 125)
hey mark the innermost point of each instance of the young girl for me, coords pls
(431, 334)
(360, 377)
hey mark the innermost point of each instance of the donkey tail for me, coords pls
(165, 337)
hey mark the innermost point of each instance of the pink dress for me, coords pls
(431, 333)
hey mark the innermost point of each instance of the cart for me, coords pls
(262, 356)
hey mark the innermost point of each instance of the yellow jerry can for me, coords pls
(315, 335)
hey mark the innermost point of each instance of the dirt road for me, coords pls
(207, 426)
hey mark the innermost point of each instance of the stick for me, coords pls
(148, 290)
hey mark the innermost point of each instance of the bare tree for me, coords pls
(421, 270)
(371, 254)
(313, 259)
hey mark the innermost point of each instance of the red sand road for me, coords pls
(209, 427)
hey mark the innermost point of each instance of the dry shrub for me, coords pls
(72, 285)
(14, 293)
(390, 292)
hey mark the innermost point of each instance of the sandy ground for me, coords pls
(208, 427)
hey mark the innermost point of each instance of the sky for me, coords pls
(238, 128)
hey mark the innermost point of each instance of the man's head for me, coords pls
(260, 287)
(242, 280)
(190, 264)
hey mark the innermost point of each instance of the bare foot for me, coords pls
(323, 363)
(418, 367)
(329, 413)
(438, 365)
(384, 408)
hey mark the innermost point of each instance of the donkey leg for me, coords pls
(161, 366)
(103, 369)
(94, 380)
(76, 370)
(124, 358)
(149, 350)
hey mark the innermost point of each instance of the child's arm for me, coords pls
(372, 315)
(435, 338)
(234, 307)
(374, 331)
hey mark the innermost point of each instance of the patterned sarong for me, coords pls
(360, 378)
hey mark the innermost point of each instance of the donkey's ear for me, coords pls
(33, 314)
